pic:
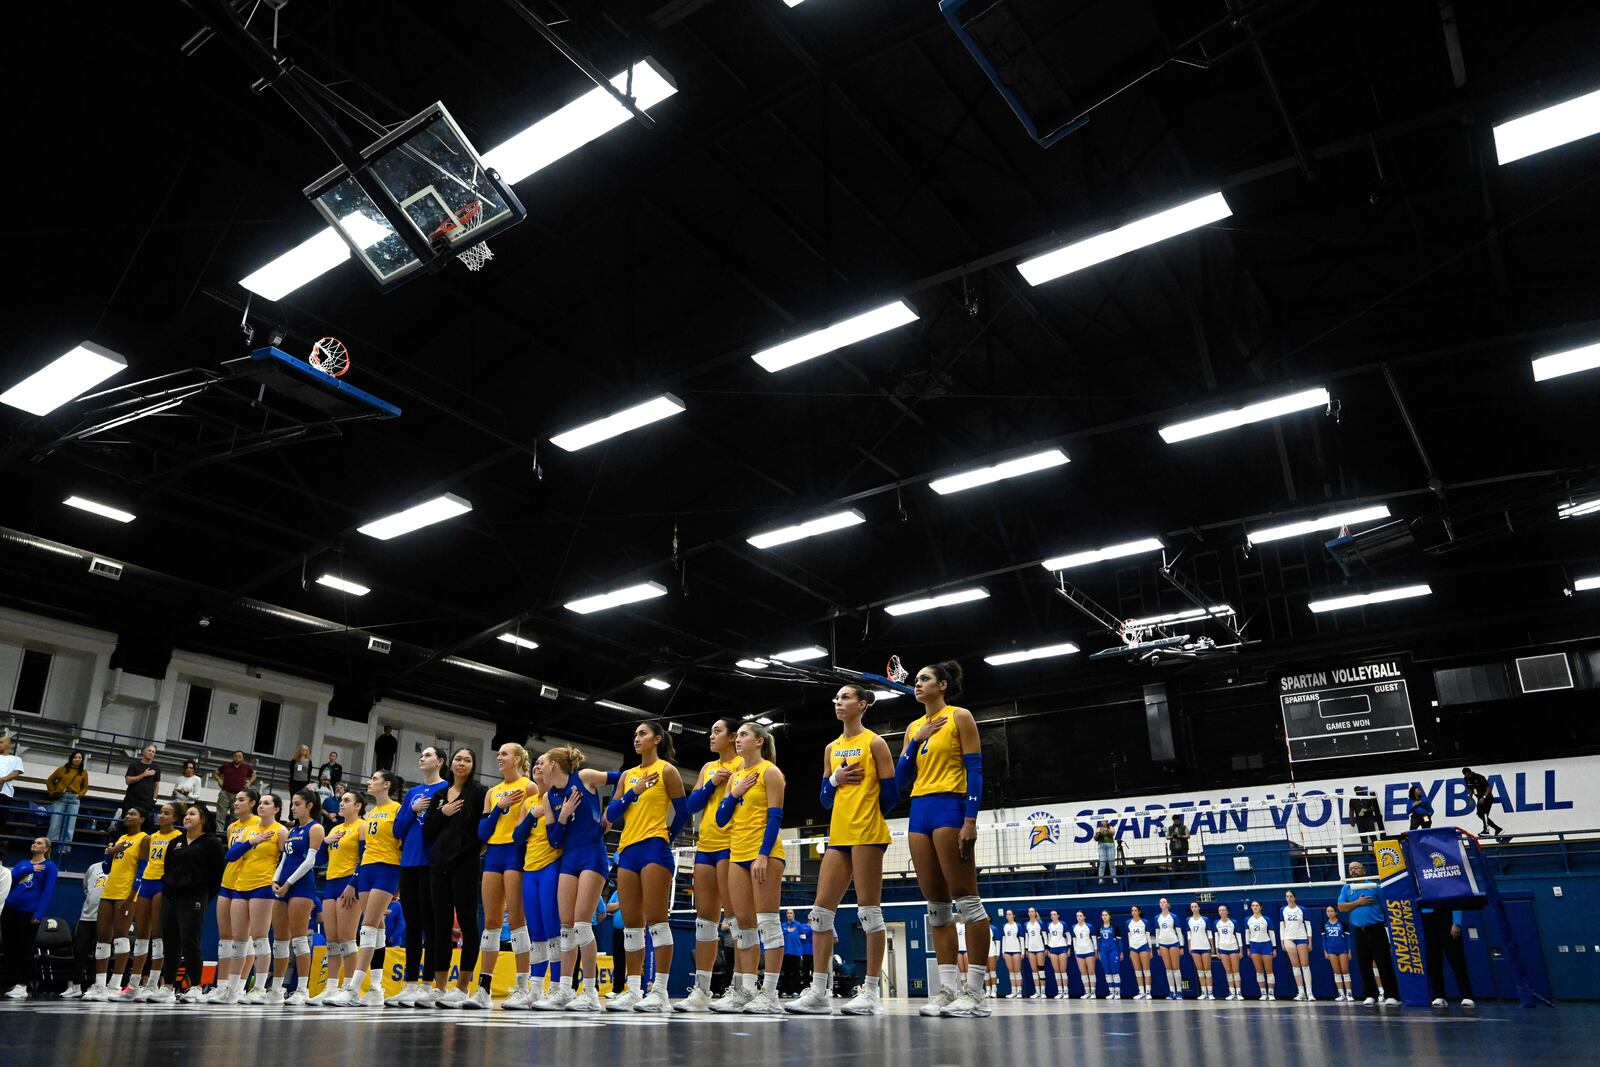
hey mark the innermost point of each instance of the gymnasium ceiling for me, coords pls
(815, 161)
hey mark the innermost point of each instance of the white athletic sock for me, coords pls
(566, 980)
(822, 980)
(134, 981)
(1271, 982)
(950, 977)
(977, 978)
(302, 985)
(702, 979)
(523, 981)
(355, 981)
(634, 982)
(747, 982)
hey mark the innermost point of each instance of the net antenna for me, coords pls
(330, 356)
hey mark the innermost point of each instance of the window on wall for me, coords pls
(32, 680)
(196, 713)
(266, 742)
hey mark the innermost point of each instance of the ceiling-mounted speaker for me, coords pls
(1158, 723)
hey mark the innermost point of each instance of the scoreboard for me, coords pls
(1332, 711)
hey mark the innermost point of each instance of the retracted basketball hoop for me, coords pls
(330, 356)
(472, 258)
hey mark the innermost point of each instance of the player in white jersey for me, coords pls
(1055, 943)
(1226, 937)
(1033, 945)
(1083, 950)
(1138, 933)
(992, 981)
(961, 947)
(1263, 944)
(1169, 946)
(1011, 948)
(1200, 947)
(1294, 930)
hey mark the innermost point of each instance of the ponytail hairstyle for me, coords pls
(520, 755)
(396, 784)
(950, 673)
(769, 744)
(863, 694)
(664, 746)
(312, 802)
(253, 794)
(277, 804)
(566, 757)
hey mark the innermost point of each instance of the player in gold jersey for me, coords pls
(710, 862)
(148, 951)
(858, 787)
(502, 878)
(257, 854)
(753, 813)
(111, 930)
(942, 768)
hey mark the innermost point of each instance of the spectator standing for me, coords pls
(1366, 816)
(1105, 844)
(66, 787)
(193, 876)
(1419, 808)
(1483, 800)
(83, 934)
(186, 790)
(1359, 899)
(790, 983)
(332, 770)
(232, 778)
(1178, 841)
(33, 883)
(10, 771)
(384, 749)
(300, 769)
(142, 778)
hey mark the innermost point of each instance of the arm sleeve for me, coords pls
(905, 771)
(680, 817)
(888, 794)
(306, 863)
(726, 808)
(486, 824)
(701, 797)
(556, 831)
(405, 820)
(618, 808)
(974, 765)
(238, 850)
(612, 778)
(774, 824)
(826, 795)
(520, 832)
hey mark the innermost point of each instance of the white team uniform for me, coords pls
(1034, 938)
(1227, 935)
(1055, 936)
(1199, 937)
(1082, 940)
(1010, 941)
(1259, 935)
(1167, 929)
(1292, 925)
(1138, 936)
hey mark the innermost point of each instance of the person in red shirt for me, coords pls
(231, 778)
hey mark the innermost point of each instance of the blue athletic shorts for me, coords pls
(575, 859)
(746, 863)
(1008, 955)
(1261, 948)
(384, 877)
(711, 859)
(846, 848)
(1227, 952)
(1083, 955)
(1060, 950)
(937, 811)
(260, 892)
(222, 894)
(502, 858)
(304, 889)
(539, 901)
(1293, 942)
(652, 851)
(148, 888)
(334, 888)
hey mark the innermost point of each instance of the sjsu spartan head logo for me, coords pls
(1438, 860)
(1389, 858)
(1043, 829)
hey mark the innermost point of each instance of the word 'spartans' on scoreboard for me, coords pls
(1354, 709)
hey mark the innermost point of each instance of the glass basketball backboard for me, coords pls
(437, 179)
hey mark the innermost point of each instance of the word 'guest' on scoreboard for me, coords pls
(1352, 709)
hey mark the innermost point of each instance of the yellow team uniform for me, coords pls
(749, 823)
(156, 868)
(714, 838)
(540, 853)
(939, 766)
(857, 819)
(237, 831)
(647, 815)
(381, 846)
(119, 882)
(506, 825)
(257, 866)
(344, 850)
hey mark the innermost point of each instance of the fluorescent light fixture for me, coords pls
(1066, 648)
(1113, 243)
(943, 600)
(657, 683)
(840, 334)
(565, 131)
(103, 510)
(1578, 359)
(886, 694)
(65, 377)
(593, 433)
(335, 582)
(764, 721)
(1555, 125)
(1582, 584)
(1577, 508)
(752, 664)
(1404, 592)
(614, 706)
(801, 655)
(826, 524)
(416, 517)
(1338, 520)
(631, 594)
(1097, 555)
(520, 642)
(1227, 420)
(1011, 468)
(1217, 612)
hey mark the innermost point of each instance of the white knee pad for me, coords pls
(582, 934)
(705, 929)
(382, 934)
(368, 938)
(553, 950)
(821, 919)
(733, 927)
(121, 946)
(940, 913)
(567, 941)
(661, 935)
(633, 939)
(489, 941)
(520, 941)
(280, 950)
(971, 909)
(158, 949)
(748, 939)
(871, 918)
(300, 946)
(102, 950)
(141, 947)
(348, 948)
(539, 952)
(770, 931)
(263, 948)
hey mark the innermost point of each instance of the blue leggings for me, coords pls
(540, 907)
